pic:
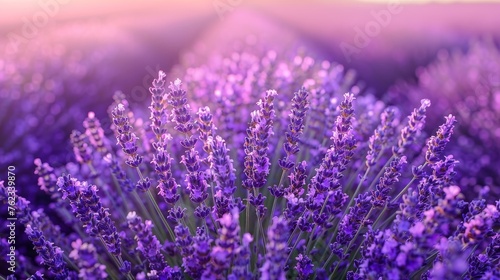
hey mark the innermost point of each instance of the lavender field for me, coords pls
(249, 140)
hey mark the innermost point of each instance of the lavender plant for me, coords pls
(465, 84)
(312, 180)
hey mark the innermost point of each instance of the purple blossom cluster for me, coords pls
(464, 83)
(264, 167)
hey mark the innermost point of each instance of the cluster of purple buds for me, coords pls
(342, 204)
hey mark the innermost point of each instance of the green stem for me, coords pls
(293, 248)
(160, 214)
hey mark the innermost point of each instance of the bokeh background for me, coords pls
(61, 59)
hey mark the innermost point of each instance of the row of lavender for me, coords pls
(320, 184)
(467, 84)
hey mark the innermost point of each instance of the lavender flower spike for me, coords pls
(436, 144)
(382, 135)
(158, 115)
(221, 165)
(87, 207)
(226, 245)
(257, 142)
(51, 255)
(180, 112)
(100, 224)
(85, 255)
(276, 249)
(391, 175)
(206, 127)
(304, 267)
(416, 122)
(125, 137)
(147, 243)
(80, 148)
(300, 105)
(240, 265)
(95, 133)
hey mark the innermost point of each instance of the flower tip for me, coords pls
(161, 74)
(177, 82)
(247, 238)
(425, 102)
(131, 215)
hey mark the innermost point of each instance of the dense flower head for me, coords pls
(296, 126)
(95, 133)
(52, 256)
(383, 134)
(304, 267)
(436, 144)
(415, 125)
(125, 137)
(257, 162)
(288, 170)
(46, 178)
(276, 248)
(80, 147)
(147, 243)
(85, 255)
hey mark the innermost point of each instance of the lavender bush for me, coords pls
(466, 84)
(259, 166)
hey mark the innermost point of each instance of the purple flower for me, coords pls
(276, 249)
(391, 175)
(181, 110)
(51, 255)
(222, 167)
(158, 115)
(304, 267)
(95, 133)
(80, 147)
(480, 225)
(436, 144)
(356, 218)
(206, 127)
(257, 142)
(240, 266)
(125, 137)
(226, 245)
(202, 246)
(47, 179)
(176, 214)
(416, 122)
(85, 255)
(88, 209)
(147, 243)
(167, 184)
(383, 134)
(196, 182)
(100, 223)
(295, 127)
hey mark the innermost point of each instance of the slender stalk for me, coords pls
(157, 208)
(293, 247)
(316, 226)
(403, 191)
